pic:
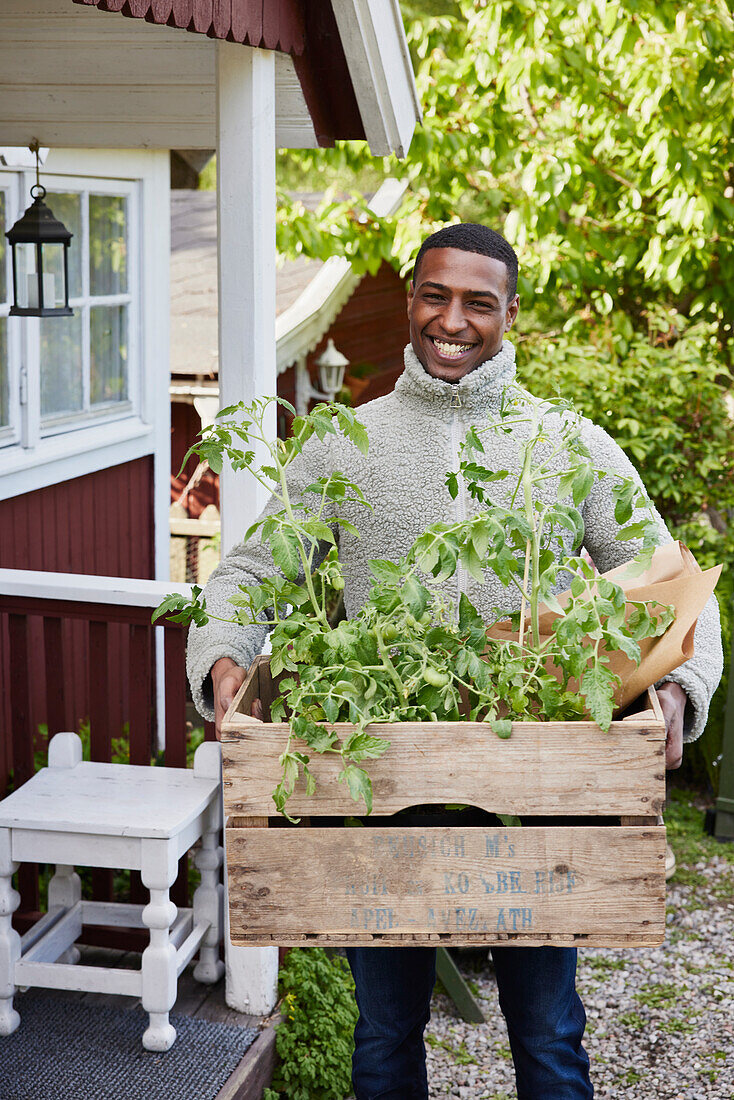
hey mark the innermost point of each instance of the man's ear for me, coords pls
(512, 312)
(411, 292)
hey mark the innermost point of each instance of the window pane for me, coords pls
(3, 250)
(109, 354)
(61, 364)
(67, 207)
(108, 244)
(4, 380)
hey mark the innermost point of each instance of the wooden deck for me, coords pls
(205, 1002)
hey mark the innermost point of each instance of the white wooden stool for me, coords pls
(121, 816)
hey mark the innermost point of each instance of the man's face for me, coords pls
(458, 311)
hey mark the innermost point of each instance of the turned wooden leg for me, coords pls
(159, 958)
(209, 900)
(64, 891)
(9, 938)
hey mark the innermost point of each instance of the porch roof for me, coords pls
(351, 58)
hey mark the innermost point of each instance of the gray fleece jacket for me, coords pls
(414, 435)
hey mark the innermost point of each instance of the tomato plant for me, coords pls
(411, 653)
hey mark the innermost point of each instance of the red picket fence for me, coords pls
(35, 612)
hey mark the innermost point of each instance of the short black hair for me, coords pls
(470, 237)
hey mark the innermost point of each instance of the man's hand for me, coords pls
(673, 701)
(227, 679)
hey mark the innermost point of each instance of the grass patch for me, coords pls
(658, 994)
(678, 1025)
(459, 1055)
(684, 822)
(631, 1019)
(603, 962)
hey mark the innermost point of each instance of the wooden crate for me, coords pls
(596, 883)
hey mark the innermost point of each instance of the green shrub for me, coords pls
(315, 1040)
(663, 397)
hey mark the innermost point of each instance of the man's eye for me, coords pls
(480, 305)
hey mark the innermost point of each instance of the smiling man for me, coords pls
(461, 303)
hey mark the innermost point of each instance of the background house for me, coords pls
(315, 301)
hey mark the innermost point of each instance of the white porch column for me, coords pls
(246, 263)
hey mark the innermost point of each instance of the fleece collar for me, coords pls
(479, 391)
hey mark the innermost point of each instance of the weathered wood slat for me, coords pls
(543, 768)
(22, 738)
(175, 673)
(54, 656)
(456, 939)
(100, 729)
(99, 717)
(551, 884)
(141, 698)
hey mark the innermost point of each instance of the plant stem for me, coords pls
(388, 665)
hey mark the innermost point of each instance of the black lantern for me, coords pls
(40, 245)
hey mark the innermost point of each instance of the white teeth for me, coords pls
(451, 350)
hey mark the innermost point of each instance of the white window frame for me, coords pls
(86, 187)
(35, 458)
(11, 433)
(32, 427)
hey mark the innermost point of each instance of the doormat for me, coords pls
(68, 1050)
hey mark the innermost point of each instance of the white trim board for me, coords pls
(79, 587)
(379, 65)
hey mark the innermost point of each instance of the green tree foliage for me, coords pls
(597, 136)
(315, 1040)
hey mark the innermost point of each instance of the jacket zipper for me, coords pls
(460, 498)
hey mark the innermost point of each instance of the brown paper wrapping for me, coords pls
(673, 577)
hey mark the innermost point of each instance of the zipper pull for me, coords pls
(455, 400)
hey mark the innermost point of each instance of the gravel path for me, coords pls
(660, 1021)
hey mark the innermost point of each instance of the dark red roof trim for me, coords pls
(306, 29)
(270, 24)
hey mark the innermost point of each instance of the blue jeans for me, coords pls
(537, 993)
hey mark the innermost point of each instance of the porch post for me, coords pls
(246, 275)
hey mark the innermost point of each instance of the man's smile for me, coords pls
(451, 350)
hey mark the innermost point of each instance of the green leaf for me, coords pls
(502, 727)
(415, 596)
(582, 484)
(319, 530)
(174, 602)
(385, 572)
(283, 547)
(358, 435)
(348, 527)
(597, 687)
(359, 784)
(364, 746)
(633, 530)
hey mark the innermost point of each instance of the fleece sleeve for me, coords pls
(246, 563)
(699, 677)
